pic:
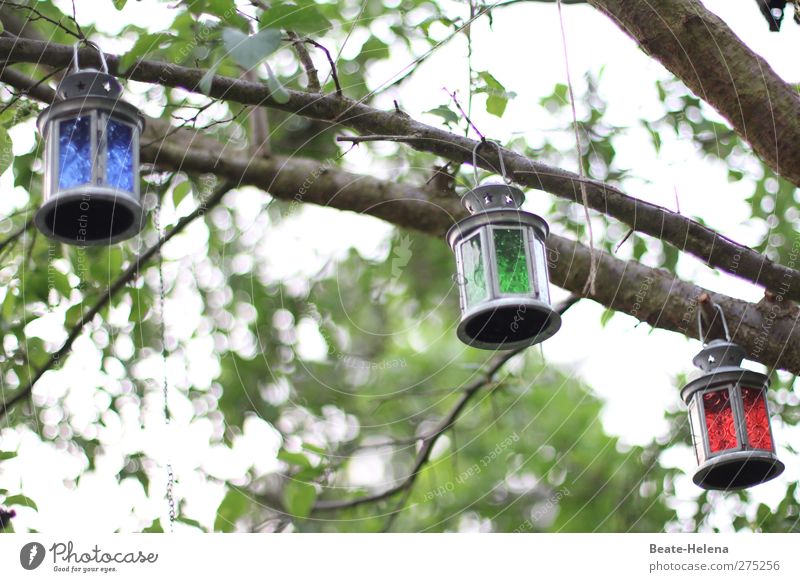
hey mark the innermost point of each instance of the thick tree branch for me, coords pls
(700, 49)
(128, 275)
(685, 234)
(767, 330)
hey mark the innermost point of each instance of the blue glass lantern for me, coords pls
(91, 179)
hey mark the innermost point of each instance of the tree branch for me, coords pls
(685, 234)
(766, 330)
(444, 425)
(701, 50)
(305, 59)
(128, 275)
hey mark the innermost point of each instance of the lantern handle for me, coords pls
(499, 156)
(722, 316)
(76, 66)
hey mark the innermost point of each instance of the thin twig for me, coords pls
(334, 75)
(624, 238)
(37, 15)
(306, 61)
(464, 113)
(27, 86)
(15, 235)
(444, 425)
(75, 20)
(112, 290)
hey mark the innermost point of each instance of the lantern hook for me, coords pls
(75, 65)
(722, 316)
(499, 157)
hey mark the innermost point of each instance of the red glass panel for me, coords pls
(719, 420)
(756, 418)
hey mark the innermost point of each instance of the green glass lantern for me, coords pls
(501, 262)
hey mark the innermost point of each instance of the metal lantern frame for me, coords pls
(103, 209)
(747, 463)
(502, 319)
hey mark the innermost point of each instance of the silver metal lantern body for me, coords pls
(91, 179)
(502, 271)
(729, 419)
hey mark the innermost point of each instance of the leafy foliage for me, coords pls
(338, 372)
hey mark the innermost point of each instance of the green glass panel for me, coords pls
(512, 268)
(474, 274)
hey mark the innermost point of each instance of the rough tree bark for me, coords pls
(685, 234)
(701, 50)
(768, 330)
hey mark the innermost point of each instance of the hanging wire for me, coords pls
(76, 66)
(499, 157)
(593, 258)
(163, 332)
(722, 317)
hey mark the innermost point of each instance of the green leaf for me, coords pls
(6, 455)
(22, 501)
(443, 111)
(249, 51)
(298, 459)
(497, 95)
(35, 348)
(145, 44)
(276, 90)
(299, 16)
(60, 282)
(299, 498)
(74, 314)
(204, 86)
(154, 527)
(314, 449)
(606, 316)
(180, 191)
(6, 153)
(119, 4)
(191, 522)
(9, 304)
(233, 506)
(374, 50)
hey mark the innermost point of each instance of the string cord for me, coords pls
(593, 259)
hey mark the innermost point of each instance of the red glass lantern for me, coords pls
(729, 419)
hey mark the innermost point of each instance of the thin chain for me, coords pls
(163, 331)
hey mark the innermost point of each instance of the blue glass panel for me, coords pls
(119, 169)
(74, 152)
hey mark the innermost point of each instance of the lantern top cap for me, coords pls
(493, 197)
(719, 353)
(89, 82)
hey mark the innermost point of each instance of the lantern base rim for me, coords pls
(738, 470)
(508, 324)
(78, 222)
